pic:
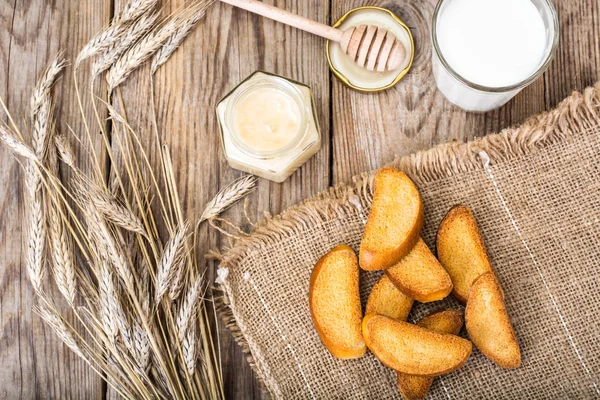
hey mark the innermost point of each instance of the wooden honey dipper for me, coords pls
(371, 47)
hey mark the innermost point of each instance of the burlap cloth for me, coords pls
(535, 191)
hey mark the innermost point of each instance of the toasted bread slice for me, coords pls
(414, 387)
(420, 275)
(395, 222)
(447, 321)
(386, 299)
(413, 350)
(461, 250)
(335, 303)
(488, 323)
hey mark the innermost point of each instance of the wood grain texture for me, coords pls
(35, 364)
(360, 132)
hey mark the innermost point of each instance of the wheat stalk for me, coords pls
(135, 9)
(100, 42)
(188, 309)
(128, 38)
(115, 212)
(62, 252)
(165, 51)
(143, 346)
(229, 196)
(188, 346)
(147, 46)
(16, 145)
(108, 295)
(65, 150)
(55, 321)
(170, 262)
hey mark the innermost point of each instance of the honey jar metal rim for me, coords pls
(401, 74)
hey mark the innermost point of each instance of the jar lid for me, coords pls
(360, 78)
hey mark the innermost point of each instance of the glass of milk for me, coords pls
(487, 51)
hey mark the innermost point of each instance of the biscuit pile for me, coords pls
(392, 243)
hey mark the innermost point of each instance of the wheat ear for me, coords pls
(36, 234)
(135, 9)
(123, 325)
(16, 145)
(100, 42)
(188, 310)
(140, 336)
(114, 212)
(229, 196)
(65, 150)
(146, 47)
(41, 104)
(129, 37)
(142, 346)
(62, 252)
(163, 54)
(170, 262)
(177, 282)
(108, 296)
(55, 321)
(188, 346)
(107, 242)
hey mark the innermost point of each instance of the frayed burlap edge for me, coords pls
(578, 113)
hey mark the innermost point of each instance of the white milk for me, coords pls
(491, 43)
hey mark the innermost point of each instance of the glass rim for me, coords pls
(247, 86)
(503, 89)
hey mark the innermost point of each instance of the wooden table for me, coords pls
(360, 132)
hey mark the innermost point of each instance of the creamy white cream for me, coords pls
(267, 119)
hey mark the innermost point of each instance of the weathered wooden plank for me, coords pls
(35, 363)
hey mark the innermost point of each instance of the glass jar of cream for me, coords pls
(269, 126)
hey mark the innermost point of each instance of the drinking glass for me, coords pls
(473, 97)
